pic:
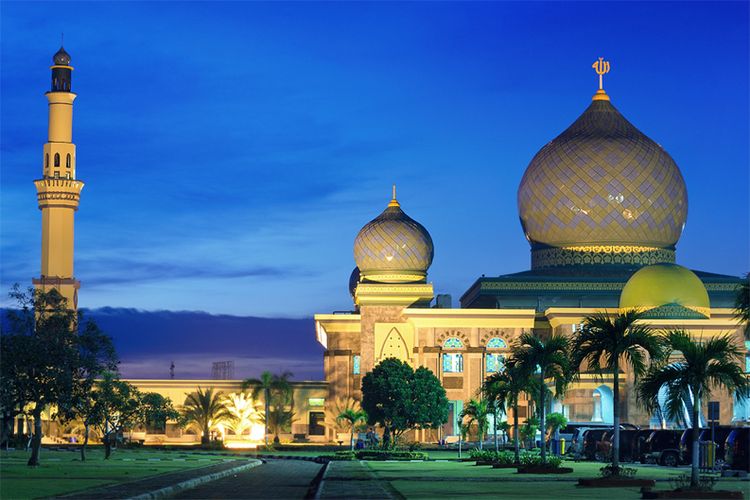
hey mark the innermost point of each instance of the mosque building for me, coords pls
(602, 206)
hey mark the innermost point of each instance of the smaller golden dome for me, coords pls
(666, 291)
(393, 248)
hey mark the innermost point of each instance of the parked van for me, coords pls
(737, 448)
(630, 440)
(662, 446)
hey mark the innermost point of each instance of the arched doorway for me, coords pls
(603, 405)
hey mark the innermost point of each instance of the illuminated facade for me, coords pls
(603, 207)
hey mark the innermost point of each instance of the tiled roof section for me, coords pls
(602, 182)
(393, 241)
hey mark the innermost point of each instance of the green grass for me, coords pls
(62, 471)
(459, 479)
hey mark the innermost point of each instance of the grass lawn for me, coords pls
(458, 479)
(63, 472)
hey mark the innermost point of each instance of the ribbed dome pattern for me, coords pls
(602, 182)
(393, 248)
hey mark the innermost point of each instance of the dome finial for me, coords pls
(394, 201)
(602, 68)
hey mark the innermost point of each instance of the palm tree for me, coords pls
(551, 360)
(704, 366)
(505, 389)
(742, 305)
(477, 410)
(353, 418)
(204, 409)
(269, 385)
(607, 342)
(241, 412)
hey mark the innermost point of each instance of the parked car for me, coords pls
(662, 446)
(576, 442)
(686, 445)
(591, 438)
(629, 445)
(737, 448)
(721, 433)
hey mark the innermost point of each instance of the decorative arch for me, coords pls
(496, 343)
(57, 159)
(394, 346)
(453, 343)
(603, 405)
(459, 334)
(67, 161)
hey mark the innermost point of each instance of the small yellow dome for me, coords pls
(666, 291)
(393, 248)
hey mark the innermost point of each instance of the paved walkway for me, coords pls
(354, 480)
(285, 479)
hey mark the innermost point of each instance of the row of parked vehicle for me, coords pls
(668, 447)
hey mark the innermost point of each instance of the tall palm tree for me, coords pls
(505, 389)
(353, 418)
(742, 305)
(270, 386)
(477, 410)
(604, 344)
(704, 366)
(550, 359)
(204, 409)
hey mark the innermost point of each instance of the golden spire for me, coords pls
(394, 201)
(602, 68)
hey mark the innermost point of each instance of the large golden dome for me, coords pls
(393, 248)
(602, 192)
(666, 290)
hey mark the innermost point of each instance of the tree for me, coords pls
(399, 398)
(551, 359)
(271, 387)
(157, 410)
(555, 422)
(604, 344)
(528, 431)
(704, 366)
(505, 388)
(204, 409)
(742, 305)
(120, 407)
(477, 411)
(54, 355)
(353, 418)
(240, 412)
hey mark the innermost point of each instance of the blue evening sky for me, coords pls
(231, 151)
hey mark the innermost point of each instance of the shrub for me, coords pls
(682, 483)
(505, 458)
(391, 455)
(342, 455)
(612, 471)
(533, 460)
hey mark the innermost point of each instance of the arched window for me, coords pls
(46, 160)
(453, 343)
(57, 159)
(453, 362)
(494, 362)
(67, 161)
(496, 343)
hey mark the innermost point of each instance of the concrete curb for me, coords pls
(321, 479)
(196, 481)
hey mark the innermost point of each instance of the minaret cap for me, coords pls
(61, 57)
(602, 68)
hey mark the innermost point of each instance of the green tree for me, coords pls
(121, 407)
(606, 343)
(157, 410)
(742, 305)
(55, 354)
(204, 409)
(477, 412)
(528, 431)
(703, 366)
(551, 359)
(271, 387)
(353, 419)
(505, 388)
(399, 398)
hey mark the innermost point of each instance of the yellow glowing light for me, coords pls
(240, 445)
